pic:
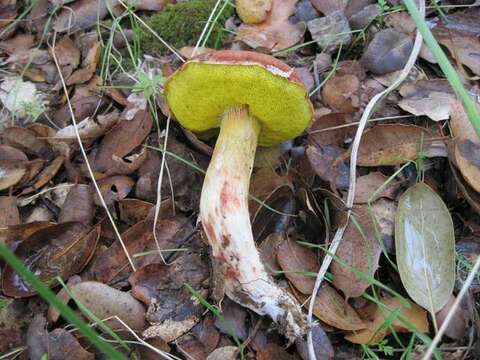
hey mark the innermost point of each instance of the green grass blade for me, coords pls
(50, 297)
(445, 65)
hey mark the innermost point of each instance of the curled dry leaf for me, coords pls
(9, 214)
(341, 92)
(89, 129)
(253, 11)
(122, 139)
(106, 302)
(431, 98)
(466, 153)
(128, 164)
(377, 315)
(113, 188)
(45, 175)
(78, 205)
(58, 250)
(374, 186)
(276, 32)
(360, 249)
(296, 260)
(27, 141)
(391, 144)
(333, 310)
(425, 247)
(387, 52)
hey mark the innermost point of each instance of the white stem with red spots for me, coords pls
(226, 221)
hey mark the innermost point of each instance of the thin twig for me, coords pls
(84, 154)
(353, 174)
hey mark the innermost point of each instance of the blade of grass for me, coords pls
(447, 68)
(50, 297)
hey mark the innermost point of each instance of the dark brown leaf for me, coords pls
(81, 15)
(457, 327)
(134, 210)
(45, 175)
(27, 141)
(13, 235)
(9, 214)
(64, 346)
(361, 250)
(274, 352)
(59, 250)
(321, 344)
(342, 93)
(295, 260)
(78, 205)
(122, 139)
(113, 188)
(37, 338)
(328, 162)
(66, 52)
(375, 183)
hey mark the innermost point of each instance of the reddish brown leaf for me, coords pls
(27, 141)
(78, 205)
(295, 259)
(274, 352)
(457, 327)
(11, 173)
(361, 250)
(134, 210)
(10, 153)
(80, 15)
(64, 346)
(45, 176)
(113, 188)
(66, 52)
(9, 214)
(342, 93)
(321, 344)
(318, 135)
(13, 235)
(122, 139)
(59, 250)
(328, 162)
(375, 183)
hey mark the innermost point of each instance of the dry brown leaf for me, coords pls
(432, 98)
(15, 234)
(321, 345)
(457, 327)
(113, 188)
(66, 52)
(331, 31)
(59, 250)
(122, 139)
(376, 331)
(390, 144)
(329, 163)
(274, 352)
(370, 184)
(276, 32)
(20, 41)
(27, 141)
(295, 260)
(9, 212)
(333, 310)
(127, 165)
(78, 205)
(82, 15)
(466, 153)
(359, 249)
(134, 210)
(45, 176)
(342, 93)
(64, 346)
(105, 302)
(11, 172)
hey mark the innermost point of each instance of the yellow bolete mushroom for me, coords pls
(255, 99)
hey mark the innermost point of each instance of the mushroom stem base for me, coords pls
(226, 221)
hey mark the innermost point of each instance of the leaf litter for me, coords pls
(53, 219)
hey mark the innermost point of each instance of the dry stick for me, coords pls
(159, 192)
(453, 309)
(353, 174)
(84, 154)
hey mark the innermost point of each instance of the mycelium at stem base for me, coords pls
(226, 221)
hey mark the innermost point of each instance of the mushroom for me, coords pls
(255, 99)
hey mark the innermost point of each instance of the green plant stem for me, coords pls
(447, 68)
(66, 312)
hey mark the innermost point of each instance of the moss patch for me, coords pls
(181, 25)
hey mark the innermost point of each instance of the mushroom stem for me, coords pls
(226, 221)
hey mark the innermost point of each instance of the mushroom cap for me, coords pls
(205, 87)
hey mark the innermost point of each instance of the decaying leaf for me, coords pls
(387, 52)
(47, 173)
(81, 15)
(377, 314)
(27, 141)
(9, 214)
(106, 302)
(331, 31)
(425, 247)
(457, 327)
(296, 260)
(113, 188)
(78, 205)
(432, 98)
(329, 163)
(64, 346)
(11, 172)
(390, 144)
(360, 249)
(276, 32)
(333, 310)
(341, 92)
(58, 250)
(322, 345)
